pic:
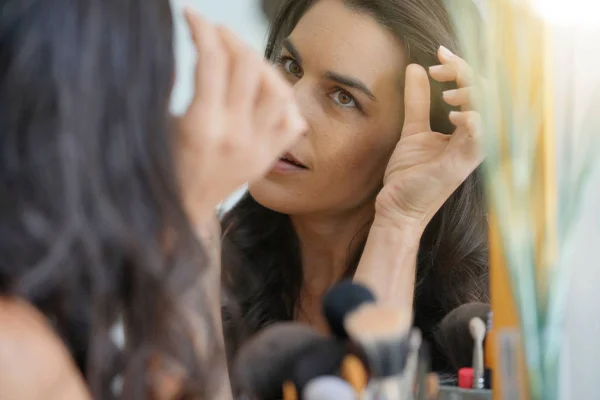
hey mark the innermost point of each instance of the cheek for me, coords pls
(369, 158)
(356, 154)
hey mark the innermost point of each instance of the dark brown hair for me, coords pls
(89, 190)
(261, 255)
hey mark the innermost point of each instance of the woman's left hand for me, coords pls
(427, 167)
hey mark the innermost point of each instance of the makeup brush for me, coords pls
(329, 388)
(410, 375)
(354, 372)
(433, 386)
(477, 329)
(266, 361)
(341, 300)
(453, 337)
(323, 358)
(289, 391)
(423, 367)
(383, 334)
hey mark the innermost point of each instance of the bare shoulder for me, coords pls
(34, 363)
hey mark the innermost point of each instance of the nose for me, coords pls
(305, 103)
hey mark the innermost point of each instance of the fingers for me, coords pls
(463, 153)
(417, 101)
(240, 102)
(272, 108)
(443, 73)
(275, 100)
(246, 71)
(456, 69)
(458, 97)
(469, 119)
(257, 92)
(232, 79)
(289, 130)
(211, 67)
(277, 115)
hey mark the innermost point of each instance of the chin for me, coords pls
(278, 197)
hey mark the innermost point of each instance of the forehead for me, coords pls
(332, 36)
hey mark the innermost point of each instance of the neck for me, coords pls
(327, 244)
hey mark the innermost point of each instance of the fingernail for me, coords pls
(445, 53)
(449, 94)
(191, 16)
(188, 11)
(436, 68)
(453, 116)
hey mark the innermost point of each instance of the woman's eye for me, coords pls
(291, 66)
(343, 99)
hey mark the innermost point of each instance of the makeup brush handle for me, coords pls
(478, 367)
(391, 388)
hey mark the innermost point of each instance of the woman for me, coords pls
(382, 187)
(94, 232)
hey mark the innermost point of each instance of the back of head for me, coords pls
(87, 182)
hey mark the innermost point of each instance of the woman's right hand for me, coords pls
(242, 118)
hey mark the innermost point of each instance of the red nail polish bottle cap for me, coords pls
(465, 378)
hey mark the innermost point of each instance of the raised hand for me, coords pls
(242, 118)
(427, 167)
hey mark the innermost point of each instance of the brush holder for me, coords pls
(456, 393)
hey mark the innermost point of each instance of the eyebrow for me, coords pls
(332, 76)
(292, 49)
(349, 82)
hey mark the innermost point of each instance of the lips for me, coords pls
(290, 159)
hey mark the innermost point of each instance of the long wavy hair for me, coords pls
(261, 257)
(92, 229)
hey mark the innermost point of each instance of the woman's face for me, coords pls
(347, 71)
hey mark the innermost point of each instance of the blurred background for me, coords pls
(582, 346)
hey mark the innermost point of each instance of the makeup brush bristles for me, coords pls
(391, 349)
(382, 333)
(373, 322)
